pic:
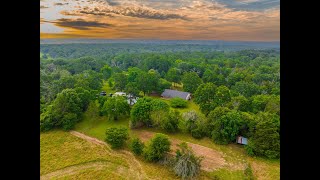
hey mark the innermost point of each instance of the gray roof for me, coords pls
(169, 93)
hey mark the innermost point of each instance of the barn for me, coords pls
(169, 93)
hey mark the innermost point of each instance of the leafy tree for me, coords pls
(213, 77)
(173, 75)
(158, 104)
(195, 123)
(187, 164)
(227, 127)
(64, 111)
(106, 71)
(222, 95)
(120, 80)
(153, 80)
(170, 122)
(89, 80)
(191, 81)
(190, 118)
(157, 147)
(137, 146)
(163, 84)
(178, 102)
(84, 96)
(204, 97)
(265, 140)
(143, 82)
(240, 103)
(246, 89)
(116, 137)
(68, 121)
(234, 77)
(133, 73)
(273, 105)
(115, 107)
(131, 88)
(140, 113)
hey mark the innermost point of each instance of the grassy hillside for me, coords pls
(95, 126)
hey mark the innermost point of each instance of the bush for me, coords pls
(69, 121)
(116, 137)
(187, 164)
(197, 133)
(157, 147)
(178, 102)
(170, 123)
(137, 146)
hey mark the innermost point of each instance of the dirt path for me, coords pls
(135, 167)
(122, 171)
(88, 138)
(212, 159)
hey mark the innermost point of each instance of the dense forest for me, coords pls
(238, 92)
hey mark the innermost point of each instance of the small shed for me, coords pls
(241, 140)
(169, 93)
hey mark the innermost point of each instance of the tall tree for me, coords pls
(191, 81)
(106, 71)
(173, 75)
(120, 81)
(115, 107)
(204, 97)
(222, 95)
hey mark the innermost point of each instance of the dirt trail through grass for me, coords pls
(212, 159)
(135, 167)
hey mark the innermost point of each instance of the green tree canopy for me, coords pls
(191, 81)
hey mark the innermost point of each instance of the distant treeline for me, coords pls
(100, 50)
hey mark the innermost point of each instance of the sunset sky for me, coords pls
(238, 20)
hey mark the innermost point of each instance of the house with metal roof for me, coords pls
(169, 93)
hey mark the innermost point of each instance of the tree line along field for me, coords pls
(233, 93)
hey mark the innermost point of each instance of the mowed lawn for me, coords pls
(95, 126)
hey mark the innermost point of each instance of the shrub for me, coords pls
(197, 133)
(116, 136)
(170, 123)
(187, 164)
(69, 121)
(178, 102)
(196, 124)
(137, 146)
(157, 147)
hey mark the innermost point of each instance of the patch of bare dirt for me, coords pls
(212, 159)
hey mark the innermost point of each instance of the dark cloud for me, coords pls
(144, 13)
(133, 12)
(60, 4)
(80, 24)
(43, 7)
(97, 13)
